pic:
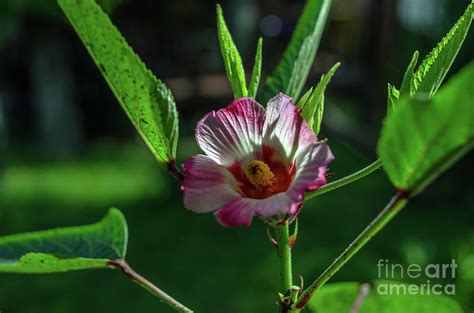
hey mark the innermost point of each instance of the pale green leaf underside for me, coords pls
(423, 137)
(66, 249)
(293, 69)
(43, 263)
(340, 297)
(432, 71)
(147, 101)
(304, 98)
(231, 56)
(256, 72)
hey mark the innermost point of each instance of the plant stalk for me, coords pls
(390, 210)
(122, 265)
(284, 258)
(284, 244)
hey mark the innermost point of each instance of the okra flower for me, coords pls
(258, 162)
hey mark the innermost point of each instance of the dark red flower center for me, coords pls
(264, 176)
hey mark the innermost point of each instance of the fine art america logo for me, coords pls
(432, 277)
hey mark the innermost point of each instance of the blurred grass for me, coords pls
(210, 268)
(92, 181)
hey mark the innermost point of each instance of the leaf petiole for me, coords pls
(141, 281)
(345, 180)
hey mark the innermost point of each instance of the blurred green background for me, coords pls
(68, 153)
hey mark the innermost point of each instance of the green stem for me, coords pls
(284, 257)
(392, 208)
(345, 180)
(122, 265)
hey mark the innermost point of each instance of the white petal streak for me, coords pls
(233, 133)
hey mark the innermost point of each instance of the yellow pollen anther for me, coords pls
(259, 174)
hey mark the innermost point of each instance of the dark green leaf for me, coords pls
(146, 100)
(340, 297)
(423, 137)
(292, 71)
(257, 69)
(230, 54)
(313, 107)
(432, 71)
(66, 249)
(301, 68)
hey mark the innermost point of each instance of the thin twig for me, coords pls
(122, 265)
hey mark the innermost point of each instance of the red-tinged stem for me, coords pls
(175, 171)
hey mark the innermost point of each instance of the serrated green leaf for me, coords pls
(432, 71)
(407, 78)
(424, 137)
(256, 72)
(444, 55)
(313, 108)
(293, 69)
(392, 97)
(146, 100)
(66, 249)
(232, 60)
(340, 297)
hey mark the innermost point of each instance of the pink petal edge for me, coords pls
(207, 185)
(232, 133)
(285, 128)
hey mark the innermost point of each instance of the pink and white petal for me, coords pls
(285, 129)
(311, 166)
(235, 213)
(207, 185)
(283, 202)
(240, 212)
(232, 133)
